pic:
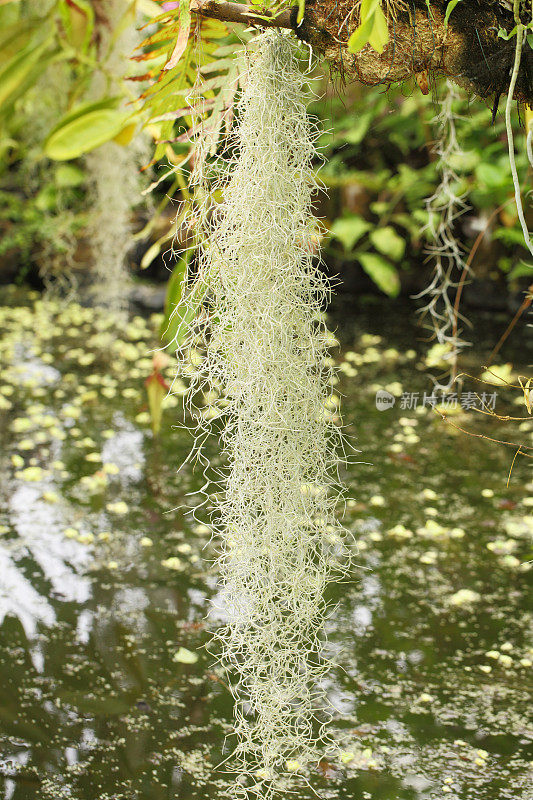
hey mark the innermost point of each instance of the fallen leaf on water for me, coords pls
(184, 656)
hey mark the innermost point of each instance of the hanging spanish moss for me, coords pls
(265, 345)
(446, 205)
(113, 170)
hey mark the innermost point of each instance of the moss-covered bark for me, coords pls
(468, 50)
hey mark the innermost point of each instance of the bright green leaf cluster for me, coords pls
(373, 28)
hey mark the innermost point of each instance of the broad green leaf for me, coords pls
(511, 237)
(174, 296)
(382, 273)
(13, 75)
(359, 128)
(69, 176)
(85, 133)
(449, 9)
(373, 28)
(15, 38)
(78, 20)
(388, 242)
(157, 390)
(379, 36)
(180, 314)
(125, 136)
(521, 270)
(84, 108)
(360, 36)
(348, 230)
(368, 8)
(491, 175)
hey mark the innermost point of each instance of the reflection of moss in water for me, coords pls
(417, 710)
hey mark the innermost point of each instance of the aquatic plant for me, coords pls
(265, 345)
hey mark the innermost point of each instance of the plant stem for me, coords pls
(520, 29)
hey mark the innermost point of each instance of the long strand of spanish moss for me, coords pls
(444, 207)
(264, 344)
(114, 171)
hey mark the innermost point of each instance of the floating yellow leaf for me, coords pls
(184, 656)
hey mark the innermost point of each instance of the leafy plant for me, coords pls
(373, 28)
(388, 247)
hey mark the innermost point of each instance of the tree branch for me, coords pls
(236, 12)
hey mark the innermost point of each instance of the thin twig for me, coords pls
(526, 303)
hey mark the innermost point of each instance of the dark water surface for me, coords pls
(106, 691)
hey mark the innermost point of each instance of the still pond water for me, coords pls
(106, 690)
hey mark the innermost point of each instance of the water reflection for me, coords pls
(428, 693)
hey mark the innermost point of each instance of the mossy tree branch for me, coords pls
(236, 12)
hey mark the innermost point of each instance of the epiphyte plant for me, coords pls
(265, 346)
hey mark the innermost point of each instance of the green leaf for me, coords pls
(78, 21)
(360, 36)
(510, 237)
(179, 314)
(373, 29)
(14, 38)
(491, 175)
(84, 108)
(382, 273)
(388, 242)
(449, 9)
(68, 176)
(84, 132)
(14, 74)
(380, 31)
(174, 296)
(154, 250)
(520, 271)
(358, 130)
(348, 230)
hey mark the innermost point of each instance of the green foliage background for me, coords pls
(377, 143)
